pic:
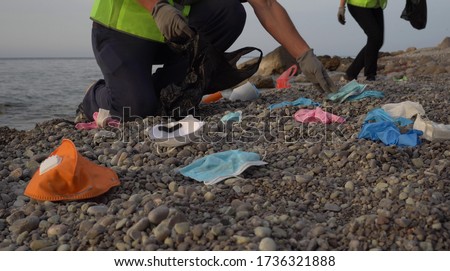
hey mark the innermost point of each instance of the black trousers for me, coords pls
(371, 20)
(129, 89)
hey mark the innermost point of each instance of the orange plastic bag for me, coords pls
(283, 79)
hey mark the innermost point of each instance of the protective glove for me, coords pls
(172, 24)
(341, 15)
(314, 71)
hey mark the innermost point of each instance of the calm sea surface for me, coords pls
(35, 90)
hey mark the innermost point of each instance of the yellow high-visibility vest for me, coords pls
(128, 16)
(368, 3)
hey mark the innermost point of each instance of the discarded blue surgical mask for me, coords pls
(216, 167)
(366, 94)
(232, 117)
(352, 88)
(379, 115)
(299, 102)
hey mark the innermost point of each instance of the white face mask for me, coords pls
(177, 133)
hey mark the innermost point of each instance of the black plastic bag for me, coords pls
(209, 71)
(416, 13)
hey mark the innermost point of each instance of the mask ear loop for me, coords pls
(167, 152)
(264, 156)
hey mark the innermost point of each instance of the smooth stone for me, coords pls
(158, 214)
(262, 232)
(267, 244)
(182, 228)
(349, 186)
(26, 224)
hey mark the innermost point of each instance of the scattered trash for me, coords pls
(379, 115)
(366, 94)
(353, 91)
(316, 116)
(101, 119)
(405, 109)
(245, 92)
(400, 79)
(210, 98)
(232, 117)
(432, 131)
(285, 77)
(388, 133)
(175, 134)
(216, 167)
(67, 175)
(299, 102)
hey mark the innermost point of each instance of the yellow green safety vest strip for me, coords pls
(368, 3)
(128, 16)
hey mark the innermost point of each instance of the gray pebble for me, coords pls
(267, 244)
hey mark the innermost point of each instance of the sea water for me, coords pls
(33, 90)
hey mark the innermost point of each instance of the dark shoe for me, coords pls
(80, 116)
(346, 78)
(371, 78)
(349, 78)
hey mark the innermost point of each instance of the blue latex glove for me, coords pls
(378, 115)
(410, 139)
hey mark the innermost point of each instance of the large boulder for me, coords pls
(275, 62)
(330, 63)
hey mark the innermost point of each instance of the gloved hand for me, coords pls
(314, 71)
(341, 15)
(172, 24)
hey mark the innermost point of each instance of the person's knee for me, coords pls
(220, 22)
(380, 41)
(377, 39)
(237, 15)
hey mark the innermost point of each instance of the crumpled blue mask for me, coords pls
(216, 167)
(378, 115)
(366, 94)
(232, 117)
(299, 102)
(388, 133)
(351, 89)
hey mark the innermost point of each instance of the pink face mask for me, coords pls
(316, 116)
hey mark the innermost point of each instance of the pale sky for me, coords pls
(61, 28)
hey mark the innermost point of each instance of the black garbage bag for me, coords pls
(416, 13)
(209, 71)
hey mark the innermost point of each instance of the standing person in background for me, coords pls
(128, 39)
(369, 15)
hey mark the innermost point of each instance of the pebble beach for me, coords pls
(321, 189)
